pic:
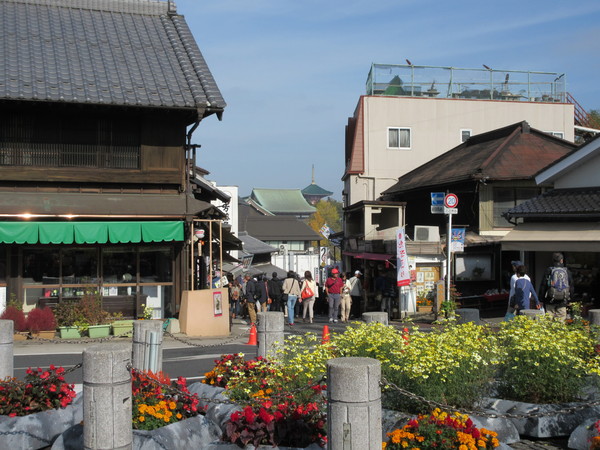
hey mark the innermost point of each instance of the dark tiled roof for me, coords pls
(255, 246)
(576, 202)
(112, 52)
(516, 152)
(278, 228)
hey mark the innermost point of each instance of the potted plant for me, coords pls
(121, 327)
(68, 314)
(41, 323)
(20, 324)
(97, 319)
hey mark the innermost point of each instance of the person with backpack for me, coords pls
(557, 288)
(523, 291)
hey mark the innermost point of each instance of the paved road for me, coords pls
(182, 356)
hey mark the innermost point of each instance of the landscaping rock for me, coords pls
(507, 431)
(391, 420)
(196, 432)
(580, 438)
(40, 429)
(558, 420)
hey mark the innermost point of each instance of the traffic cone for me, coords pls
(252, 339)
(325, 338)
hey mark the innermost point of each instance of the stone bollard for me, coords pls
(107, 397)
(6, 349)
(147, 354)
(464, 315)
(532, 313)
(270, 331)
(594, 316)
(354, 404)
(379, 317)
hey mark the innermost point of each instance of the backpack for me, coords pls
(558, 285)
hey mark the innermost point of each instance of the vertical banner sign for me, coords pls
(403, 278)
(457, 243)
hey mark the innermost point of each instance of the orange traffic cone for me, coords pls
(252, 339)
(325, 338)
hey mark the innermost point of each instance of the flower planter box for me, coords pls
(99, 331)
(69, 332)
(44, 334)
(122, 327)
(424, 308)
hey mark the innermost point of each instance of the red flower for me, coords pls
(249, 415)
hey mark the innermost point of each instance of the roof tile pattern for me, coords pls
(576, 202)
(114, 52)
(515, 152)
(282, 201)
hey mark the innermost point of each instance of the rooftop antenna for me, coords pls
(313, 174)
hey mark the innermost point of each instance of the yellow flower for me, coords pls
(141, 418)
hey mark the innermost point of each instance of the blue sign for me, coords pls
(437, 198)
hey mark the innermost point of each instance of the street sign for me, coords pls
(450, 201)
(437, 198)
(437, 209)
(450, 210)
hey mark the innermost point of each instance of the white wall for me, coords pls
(585, 175)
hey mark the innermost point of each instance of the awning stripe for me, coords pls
(90, 232)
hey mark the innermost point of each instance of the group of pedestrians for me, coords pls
(295, 296)
(556, 289)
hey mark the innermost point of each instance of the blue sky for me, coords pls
(291, 72)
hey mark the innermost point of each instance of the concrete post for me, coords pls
(354, 404)
(379, 317)
(107, 397)
(464, 315)
(594, 316)
(532, 313)
(142, 347)
(6, 349)
(270, 331)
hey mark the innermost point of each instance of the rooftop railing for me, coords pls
(450, 82)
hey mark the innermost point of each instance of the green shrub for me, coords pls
(545, 360)
(454, 366)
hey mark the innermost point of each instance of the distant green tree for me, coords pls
(594, 117)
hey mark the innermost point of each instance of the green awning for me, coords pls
(90, 232)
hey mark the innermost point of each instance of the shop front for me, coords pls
(578, 241)
(132, 265)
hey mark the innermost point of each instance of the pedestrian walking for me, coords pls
(557, 288)
(346, 299)
(357, 293)
(308, 287)
(291, 289)
(275, 292)
(333, 288)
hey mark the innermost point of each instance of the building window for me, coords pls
(399, 138)
(465, 134)
(507, 198)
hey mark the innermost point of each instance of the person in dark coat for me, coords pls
(275, 292)
(262, 292)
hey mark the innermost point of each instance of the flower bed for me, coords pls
(35, 411)
(441, 430)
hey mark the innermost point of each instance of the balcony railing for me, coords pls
(452, 82)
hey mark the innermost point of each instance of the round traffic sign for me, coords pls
(451, 201)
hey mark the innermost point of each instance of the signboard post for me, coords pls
(450, 208)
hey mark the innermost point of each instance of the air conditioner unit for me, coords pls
(427, 233)
(310, 251)
(283, 249)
